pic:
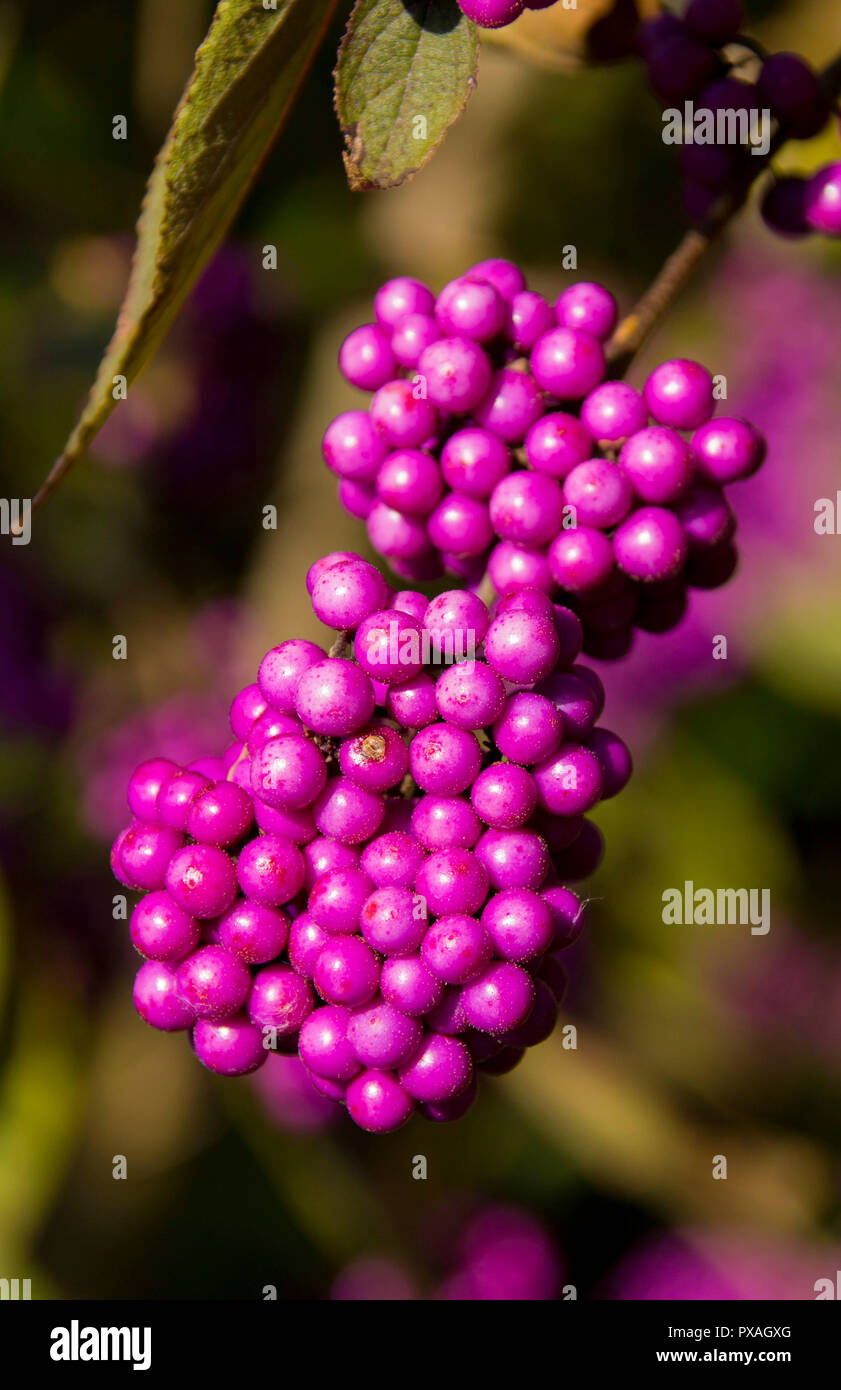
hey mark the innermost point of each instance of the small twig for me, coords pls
(340, 646)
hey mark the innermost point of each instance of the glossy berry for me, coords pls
(230, 1047)
(377, 1102)
(600, 492)
(254, 933)
(501, 999)
(393, 921)
(680, 393)
(270, 870)
(727, 449)
(651, 544)
(346, 971)
(221, 815)
(658, 463)
(202, 880)
(588, 306)
(366, 358)
(280, 999)
(156, 998)
(382, 1036)
(161, 930)
(145, 784)
(334, 697)
(456, 948)
(324, 1046)
(213, 982)
(452, 881)
(440, 1069)
(567, 362)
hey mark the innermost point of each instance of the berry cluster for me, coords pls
(504, 447)
(372, 874)
(701, 58)
(496, 14)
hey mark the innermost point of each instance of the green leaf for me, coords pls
(247, 74)
(406, 69)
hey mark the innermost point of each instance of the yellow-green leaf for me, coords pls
(247, 73)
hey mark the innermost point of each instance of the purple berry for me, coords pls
(473, 460)
(376, 758)
(156, 998)
(402, 296)
(409, 481)
(270, 870)
(569, 781)
(469, 695)
(288, 771)
(457, 373)
(280, 998)
(615, 759)
(365, 357)
(445, 822)
(512, 567)
(145, 851)
(651, 545)
(202, 880)
(397, 535)
(506, 277)
(456, 948)
(529, 728)
(527, 508)
(346, 971)
(471, 308)
(144, 785)
(613, 411)
(588, 306)
(519, 923)
(823, 201)
(444, 760)
(348, 813)
(393, 922)
(388, 646)
(324, 1046)
(161, 930)
(504, 796)
(353, 448)
(679, 66)
(377, 1102)
(175, 797)
(557, 442)
(514, 858)
(231, 1047)
(282, 668)
(522, 647)
(306, 938)
(658, 462)
(298, 826)
(347, 592)
(440, 1069)
(337, 898)
(401, 418)
(382, 1036)
(412, 703)
(392, 859)
(680, 393)
(600, 493)
(408, 984)
(715, 21)
(254, 933)
(221, 815)
(411, 335)
(581, 558)
(460, 525)
(511, 404)
(726, 450)
(334, 697)
(452, 881)
(501, 999)
(213, 982)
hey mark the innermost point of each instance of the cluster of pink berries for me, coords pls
(372, 873)
(503, 447)
(687, 61)
(496, 14)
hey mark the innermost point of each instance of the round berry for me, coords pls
(501, 999)
(375, 758)
(469, 695)
(581, 558)
(202, 880)
(511, 405)
(506, 277)
(512, 567)
(254, 933)
(412, 702)
(392, 859)
(161, 930)
(401, 296)
(452, 881)
(324, 1046)
(334, 697)
(144, 785)
(440, 1069)
(221, 815)
(519, 924)
(473, 460)
(588, 306)
(504, 795)
(270, 870)
(411, 335)
(522, 647)
(401, 418)
(365, 357)
(445, 822)
(529, 728)
(377, 1102)
(306, 938)
(280, 998)
(393, 921)
(288, 771)
(444, 760)
(213, 983)
(347, 812)
(175, 797)
(613, 411)
(145, 852)
(600, 493)
(658, 462)
(388, 646)
(397, 535)
(680, 393)
(705, 516)
(568, 362)
(346, 593)
(282, 668)
(570, 781)
(472, 308)
(529, 317)
(651, 544)
(527, 508)
(156, 998)
(460, 525)
(353, 447)
(382, 1036)
(346, 971)
(727, 449)
(514, 858)
(615, 759)
(557, 442)
(231, 1047)
(336, 899)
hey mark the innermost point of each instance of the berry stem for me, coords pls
(633, 330)
(340, 646)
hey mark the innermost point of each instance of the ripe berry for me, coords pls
(230, 1047)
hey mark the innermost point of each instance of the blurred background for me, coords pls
(587, 1171)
